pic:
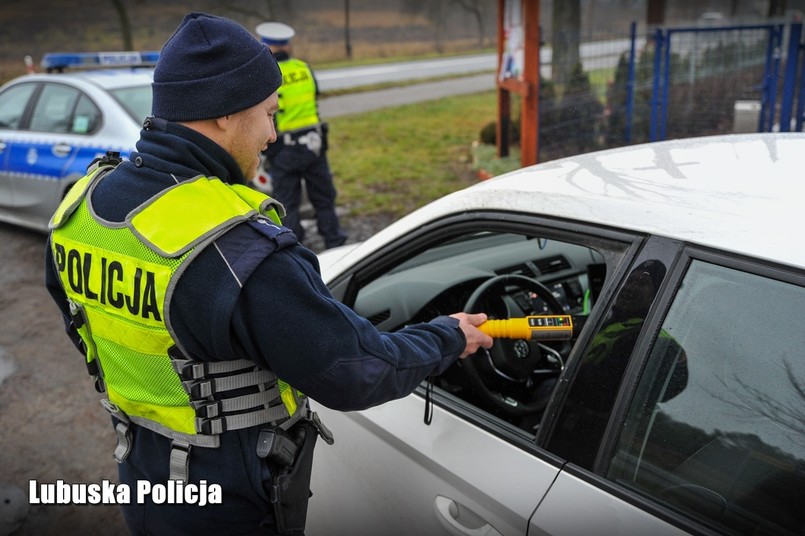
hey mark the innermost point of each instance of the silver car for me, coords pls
(678, 405)
(53, 125)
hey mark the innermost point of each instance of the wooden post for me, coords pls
(518, 72)
(504, 99)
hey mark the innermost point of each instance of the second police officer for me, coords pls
(300, 153)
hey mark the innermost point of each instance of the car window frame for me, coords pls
(25, 117)
(657, 316)
(39, 104)
(115, 96)
(654, 248)
(34, 103)
(345, 288)
(101, 115)
(637, 361)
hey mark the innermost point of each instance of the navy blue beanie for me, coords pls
(212, 67)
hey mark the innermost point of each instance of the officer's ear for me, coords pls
(224, 123)
(226, 127)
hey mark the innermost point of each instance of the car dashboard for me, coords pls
(441, 280)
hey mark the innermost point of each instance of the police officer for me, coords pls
(300, 153)
(203, 319)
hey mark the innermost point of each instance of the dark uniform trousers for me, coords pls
(288, 168)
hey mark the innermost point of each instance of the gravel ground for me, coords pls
(51, 424)
(358, 229)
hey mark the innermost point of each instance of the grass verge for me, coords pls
(391, 161)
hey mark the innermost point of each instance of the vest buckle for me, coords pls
(199, 390)
(208, 410)
(210, 426)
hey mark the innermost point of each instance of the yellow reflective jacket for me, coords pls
(297, 97)
(119, 281)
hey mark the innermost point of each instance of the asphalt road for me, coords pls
(351, 77)
(354, 103)
(52, 426)
(469, 74)
(594, 55)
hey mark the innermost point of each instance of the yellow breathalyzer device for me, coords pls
(536, 327)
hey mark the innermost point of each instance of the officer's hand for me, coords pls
(475, 337)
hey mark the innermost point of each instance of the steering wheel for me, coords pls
(510, 363)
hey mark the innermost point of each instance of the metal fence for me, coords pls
(673, 83)
(699, 74)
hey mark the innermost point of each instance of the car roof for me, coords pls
(741, 193)
(107, 79)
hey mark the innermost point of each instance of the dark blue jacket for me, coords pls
(283, 317)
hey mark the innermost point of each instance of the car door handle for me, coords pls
(2, 146)
(460, 520)
(62, 149)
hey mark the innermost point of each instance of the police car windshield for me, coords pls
(136, 100)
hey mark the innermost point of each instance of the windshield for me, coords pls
(136, 100)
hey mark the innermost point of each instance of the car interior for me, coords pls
(505, 275)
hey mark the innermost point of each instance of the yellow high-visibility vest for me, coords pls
(297, 97)
(119, 281)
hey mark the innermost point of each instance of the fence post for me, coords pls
(789, 80)
(769, 95)
(801, 97)
(655, 101)
(666, 86)
(630, 81)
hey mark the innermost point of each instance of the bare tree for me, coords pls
(125, 24)
(655, 13)
(278, 10)
(789, 415)
(566, 38)
(347, 40)
(476, 9)
(435, 11)
(776, 8)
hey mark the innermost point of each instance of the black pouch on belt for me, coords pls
(290, 486)
(325, 132)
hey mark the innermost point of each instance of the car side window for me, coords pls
(506, 275)
(54, 109)
(12, 105)
(715, 426)
(87, 117)
(136, 101)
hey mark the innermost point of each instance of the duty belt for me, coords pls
(310, 138)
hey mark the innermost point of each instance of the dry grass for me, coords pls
(366, 18)
(391, 161)
(322, 54)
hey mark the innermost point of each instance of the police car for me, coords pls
(55, 123)
(677, 405)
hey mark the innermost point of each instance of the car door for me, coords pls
(444, 460)
(40, 158)
(705, 434)
(393, 474)
(14, 102)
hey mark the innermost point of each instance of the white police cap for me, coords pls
(275, 33)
